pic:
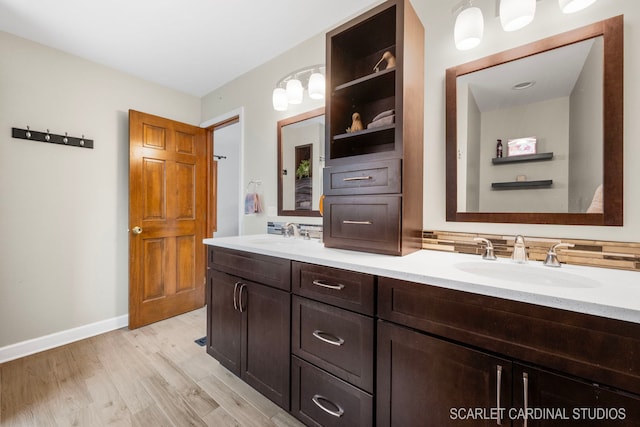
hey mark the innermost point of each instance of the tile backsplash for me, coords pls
(595, 253)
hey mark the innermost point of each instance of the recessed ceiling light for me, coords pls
(523, 85)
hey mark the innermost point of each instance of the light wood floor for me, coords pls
(152, 376)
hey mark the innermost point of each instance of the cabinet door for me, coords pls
(223, 340)
(425, 381)
(266, 349)
(545, 399)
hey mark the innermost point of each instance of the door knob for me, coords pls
(137, 230)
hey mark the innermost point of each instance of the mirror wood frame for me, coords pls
(612, 30)
(281, 123)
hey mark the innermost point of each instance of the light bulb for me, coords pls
(516, 14)
(570, 6)
(294, 91)
(468, 29)
(316, 86)
(280, 101)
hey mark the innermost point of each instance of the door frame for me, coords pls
(211, 125)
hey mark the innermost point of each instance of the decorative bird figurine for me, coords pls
(386, 56)
(356, 123)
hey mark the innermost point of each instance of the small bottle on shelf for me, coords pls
(499, 148)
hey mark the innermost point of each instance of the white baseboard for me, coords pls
(36, 345)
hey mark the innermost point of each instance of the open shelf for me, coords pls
(380, 75)
(522, 185)
(367, 141)
(523, 158)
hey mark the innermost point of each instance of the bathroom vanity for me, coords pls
(430, 338)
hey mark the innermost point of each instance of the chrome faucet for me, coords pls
(519, 250)
(488, 249)
(286, 229)
(552, 256)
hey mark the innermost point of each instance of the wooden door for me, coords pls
(167, 218)
(429, 382)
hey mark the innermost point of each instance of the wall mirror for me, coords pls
(556, 105)
(300, 163)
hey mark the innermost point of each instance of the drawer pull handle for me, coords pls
(316, 399)
(525, 384)
(329, 339)
(235, 296)
(240, 308)
(498, 387)
(323, 284)
(347, 221)
(358, 178)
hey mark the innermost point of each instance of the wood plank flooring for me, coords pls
(153, 376)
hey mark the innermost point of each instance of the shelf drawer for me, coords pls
(334, 339)
(272, 271)
(363, 223)
(320, 399)
(342, 288)
(382, 177)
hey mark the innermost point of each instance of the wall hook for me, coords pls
(51, 138)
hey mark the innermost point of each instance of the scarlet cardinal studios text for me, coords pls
(611, 414)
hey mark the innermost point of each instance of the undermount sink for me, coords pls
(527, 274)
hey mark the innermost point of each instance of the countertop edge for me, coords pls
(375, 264)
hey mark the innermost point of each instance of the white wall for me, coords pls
(253, 92)
(227, 142)
(64, 210)
(548, 122)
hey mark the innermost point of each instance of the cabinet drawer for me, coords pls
(363, 223)
(342, 288)
(382, 177)
(334, 339)
(320, 399)
(264, 269)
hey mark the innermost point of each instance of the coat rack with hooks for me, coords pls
(51, 138)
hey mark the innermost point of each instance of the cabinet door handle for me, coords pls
(498, 387)
(358, 178)
(347, 221)
(242, 286)
(328, 338)
(235, 297)
(316, 399)
(525, 383)
(324, 284)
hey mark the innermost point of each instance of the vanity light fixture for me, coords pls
(290, 89)
(469, 26)
(570, 6)
(516, 14)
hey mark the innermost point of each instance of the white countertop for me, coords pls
(607, 292)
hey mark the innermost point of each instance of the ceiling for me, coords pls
(492, 87)
(194, 46)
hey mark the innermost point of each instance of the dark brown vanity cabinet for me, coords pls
(452, 352)
(248, 328)
(332, 345)
(423, 381)
(373, 178)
